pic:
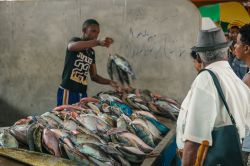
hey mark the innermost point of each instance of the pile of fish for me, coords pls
(111, 128)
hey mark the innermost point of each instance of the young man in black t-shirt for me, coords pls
(79, 61)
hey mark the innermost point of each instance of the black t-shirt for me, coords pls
(76, 68)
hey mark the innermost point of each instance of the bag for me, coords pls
(226, 148)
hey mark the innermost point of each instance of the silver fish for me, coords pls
(7, 140)
(108, 98)
(130, 139)
(142, 131)
(77, 156)
(167, 106)
(69, 125)
(145, 113)
(111, 149)
(93, 123)
(63, 136)
(121, 123)
(107, 119)
(92, 106)
(84, 138)
(48, 122)
(137, 102)
(154, 131)
(165, 109)
(53, 116)
(86, 131)
(123, 64)
(19, 132)
(97, 154)
(132, 154)
(50, 142)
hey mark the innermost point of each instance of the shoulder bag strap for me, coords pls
(219, 90)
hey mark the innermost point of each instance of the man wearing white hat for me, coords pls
(202, 110)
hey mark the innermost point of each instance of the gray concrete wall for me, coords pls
(154, 35)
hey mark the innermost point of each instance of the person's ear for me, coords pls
(247, 49)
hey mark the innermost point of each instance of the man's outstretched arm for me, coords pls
(79, 45)
(99, 79)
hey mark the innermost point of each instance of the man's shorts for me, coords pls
(66, 97)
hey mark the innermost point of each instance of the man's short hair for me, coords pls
(89, 22)
(234, 27)
(245, 34)
(208, 57)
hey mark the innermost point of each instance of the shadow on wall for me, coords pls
(9, 114)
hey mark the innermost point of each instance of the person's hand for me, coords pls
(116, 86)
(128, 89)
(106, 42)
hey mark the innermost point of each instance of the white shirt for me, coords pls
(202, 109)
